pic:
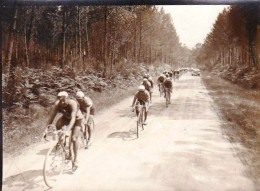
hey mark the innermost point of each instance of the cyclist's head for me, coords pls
(141, 88)
(63, 97)
(63, 94)
(145, 80)
(146, 76)
(79, 95)
(150, 78)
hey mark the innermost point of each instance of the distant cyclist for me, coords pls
(151, 89)
(170, 74)
(87, 108)
(72, 118)
(168, 86)
(160, 81)
(146, 84)
(143, 97)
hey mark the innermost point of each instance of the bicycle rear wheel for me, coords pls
(138, 123)
(53, 165)
(81, 140)
(142, 117)
(167, 98)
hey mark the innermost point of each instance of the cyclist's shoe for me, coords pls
(75, 166)
(145, 122)
(68, 157)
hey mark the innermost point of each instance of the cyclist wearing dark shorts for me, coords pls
(87, 108)
(146, 84)
(168, 85)
(143, 97)
(72, 118)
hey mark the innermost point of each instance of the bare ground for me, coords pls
(181, 148)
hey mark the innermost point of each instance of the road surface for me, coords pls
(181, 148)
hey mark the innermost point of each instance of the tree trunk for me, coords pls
(105, 43)
(63, 38)
(11, 40)
(140, 39)
(25, 41)
(79, 27)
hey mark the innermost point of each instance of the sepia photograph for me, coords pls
(100, 96)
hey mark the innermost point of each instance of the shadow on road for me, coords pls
(125, 135)
(43, 152)
(126, 113)
(30, 179)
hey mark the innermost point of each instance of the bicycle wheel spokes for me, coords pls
(53, 165)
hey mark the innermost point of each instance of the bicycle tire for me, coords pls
(138, 124)
(143, 114)
(167, 98)
(51, 177)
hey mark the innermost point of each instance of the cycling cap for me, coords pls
(150, 78)
(63, 94)
(145, 79)
(80, 94)
(141, 87)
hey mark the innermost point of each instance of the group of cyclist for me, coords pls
(144, 95)
(165, 83)
(77, 115)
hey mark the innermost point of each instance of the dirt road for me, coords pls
(181, 148)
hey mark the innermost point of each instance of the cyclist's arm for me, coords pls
(134, 101)
(53, 113)
(87, 113)
(73, 115)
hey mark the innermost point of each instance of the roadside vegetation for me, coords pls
(240, 110)
(24, 122)
(102, 50)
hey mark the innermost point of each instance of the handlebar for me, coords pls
(52, 129)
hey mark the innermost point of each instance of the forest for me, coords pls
(232, 48)
(107, 39)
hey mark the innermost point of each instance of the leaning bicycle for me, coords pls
(140, 111)
(57, 156)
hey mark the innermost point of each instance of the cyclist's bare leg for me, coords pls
(146, 112)
(75, 143)
(90, 129)
(62, 121)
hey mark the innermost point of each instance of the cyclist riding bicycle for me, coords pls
(170, 74)
(151, 89)
(72, 118)
(143, 97)
(146, 84)
(168, 86)
(87, 109)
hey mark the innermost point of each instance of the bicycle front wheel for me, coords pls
(53, 165)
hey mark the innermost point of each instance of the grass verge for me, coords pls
(240, 110)
(26, 130)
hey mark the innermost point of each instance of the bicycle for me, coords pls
(140, 111)
(57, 156)
(167, 96)
(161, 89)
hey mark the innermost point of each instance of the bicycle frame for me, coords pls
(167, 97)
(161, 89)
(140, 109)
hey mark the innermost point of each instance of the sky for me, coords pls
(193, 22)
